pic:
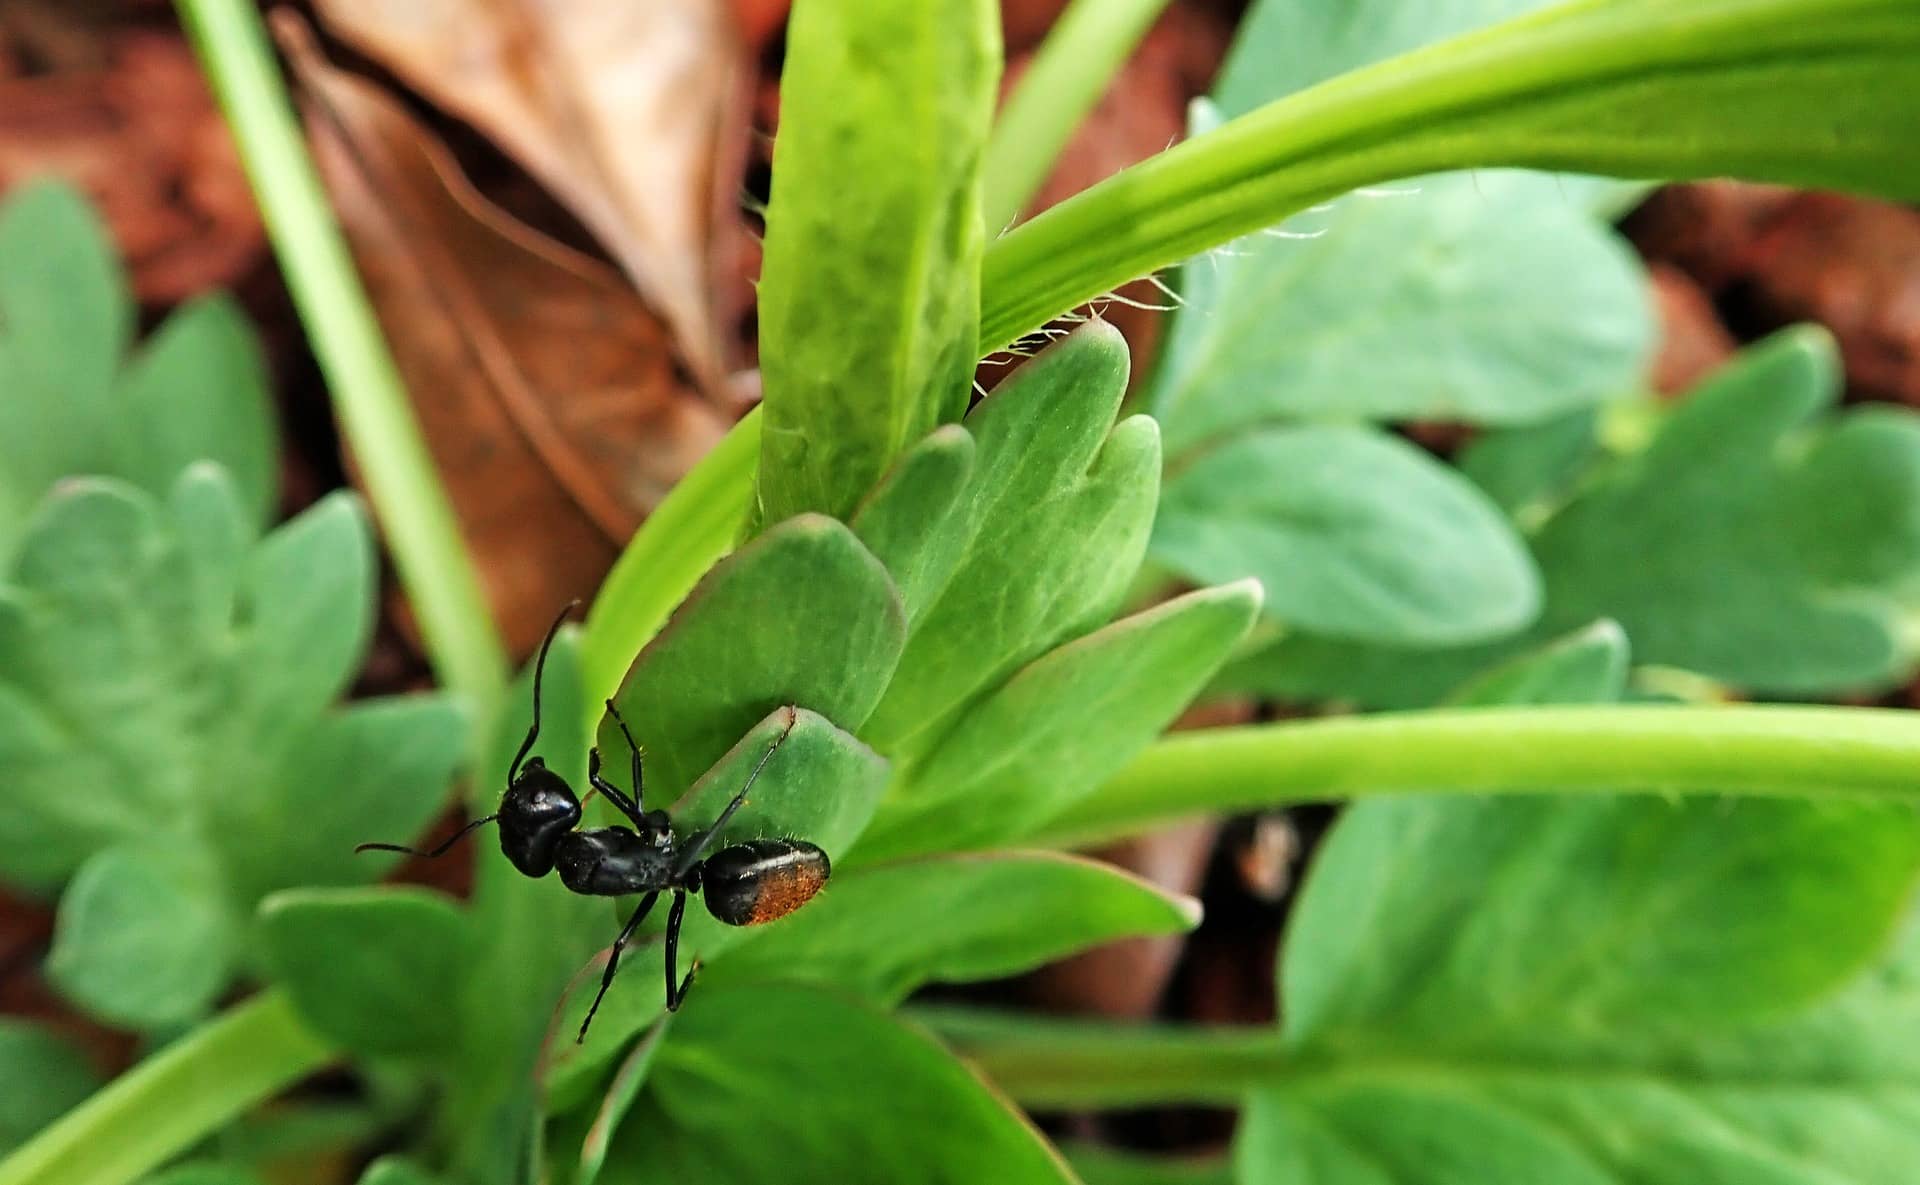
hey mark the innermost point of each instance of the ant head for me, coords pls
(537, 799)
(538, 809)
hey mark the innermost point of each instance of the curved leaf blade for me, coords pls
(1352, 533)
(780, 1044)
(802, 615)
(870, 929)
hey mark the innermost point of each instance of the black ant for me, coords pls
(744, 884)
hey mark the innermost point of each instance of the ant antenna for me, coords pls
(436, 853)
(539, 672)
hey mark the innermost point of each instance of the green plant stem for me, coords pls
(1629, 88)
(697, 523)
(1058, 1063)
(1809, 752)
(170, 1102)
(1080, 56)
(368, 396)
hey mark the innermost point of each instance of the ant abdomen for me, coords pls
(538, 810)
(762, 880)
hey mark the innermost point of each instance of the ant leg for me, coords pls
(633, 748)
(539, 672)
(697, 846)
(615, 795)
(675, 994)
(613, 960)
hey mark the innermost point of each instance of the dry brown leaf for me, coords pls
(632, 114)
(544, 384)
(126, 116)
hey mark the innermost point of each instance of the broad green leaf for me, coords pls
(65, 318)
(529, 938)
(903, 522)
(1826, 1096)
(310, 589)
(802, 615)
(871, 930)
(144, 938)
(1052, 527)
(140, 702)
(1352, 533)
(869, 308)
(821, 785)
(1808, 92)
(1061, 726)
(383, 764)
(1495, 990)
(376, 970)
(1495, 302)
(1758, 540)
(837, 1092)
(196, 391)
(1755, 540)
(42, 1076)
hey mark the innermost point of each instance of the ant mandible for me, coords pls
(744, 884)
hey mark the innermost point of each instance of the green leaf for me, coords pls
(903, 522)
(65, 318)
(1809, 92)
(1469, 985)
(1052, 527)
(376, 970)
(902, 1110)
(869, 930)
(384, 765)
(821, 785)
(802, 615)
(158, 656)
(869, 309)
(1061, 726)
(1352, 533)
(1755, 540)
(42, 1077)
(144, 938)
(310, 586)
(196, 391)
(1487, 299)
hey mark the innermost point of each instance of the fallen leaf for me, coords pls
(133, 125)
(1693, 342)
(1852, 265)
(545, 386)
(634, 115)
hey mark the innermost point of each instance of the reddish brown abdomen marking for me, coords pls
(762, 879)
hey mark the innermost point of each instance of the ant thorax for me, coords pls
(615, 861)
